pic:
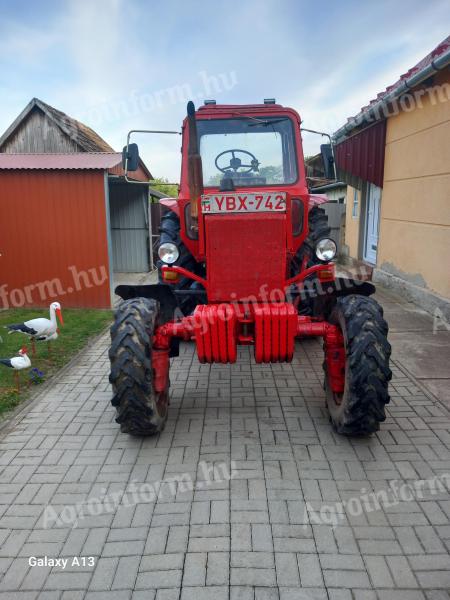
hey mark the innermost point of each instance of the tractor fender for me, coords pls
(316, 200)
(341, 286)
(168, 305)
(171, 204)
(344, 286)
(161, 292)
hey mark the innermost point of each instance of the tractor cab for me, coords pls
(250, 147)
(243, 200)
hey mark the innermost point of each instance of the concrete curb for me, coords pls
(424, 298)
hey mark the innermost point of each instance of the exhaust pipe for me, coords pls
(195, 173)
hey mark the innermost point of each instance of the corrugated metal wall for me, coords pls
(334, 212)
(53, 239)
(361, 156)
(129, 227)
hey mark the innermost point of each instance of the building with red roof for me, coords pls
(394, 156)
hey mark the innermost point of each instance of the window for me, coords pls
(250, 151)
(355, 204)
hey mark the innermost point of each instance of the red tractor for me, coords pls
(246, 259)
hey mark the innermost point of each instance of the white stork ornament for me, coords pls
(41, 328)
(49, 338)
(18, 363)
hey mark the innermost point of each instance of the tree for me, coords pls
(162, 185)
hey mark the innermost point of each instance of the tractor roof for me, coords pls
(215, 110)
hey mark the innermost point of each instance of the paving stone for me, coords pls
(252, 576)
(401, 572)
(346, 579)
(310, 570)
(287, 569)
(261, 538)
(217, 572)
(379, 572)
(126, 573)
(161, 562)
(68, 581)
(261, 560)
(238, 592)
(158, 579)
(208, 544)
(195, 569)
(103, 576)
(116, 595)
(205, 593)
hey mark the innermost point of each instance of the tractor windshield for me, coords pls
(249, 151)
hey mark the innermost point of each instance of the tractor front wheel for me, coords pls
(140, 410)
(361, 407)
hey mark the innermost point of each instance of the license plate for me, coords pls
(244, 203)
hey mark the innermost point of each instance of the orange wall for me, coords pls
(352, 223)
(414, 239)
(53, 239)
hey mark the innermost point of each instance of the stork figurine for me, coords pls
(49, 338)
(18, 363)
(41, 328)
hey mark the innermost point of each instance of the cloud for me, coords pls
(92, 59)
(26, 45)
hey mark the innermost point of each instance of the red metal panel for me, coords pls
(246, 255)
(215, 333)
(362, 155)
(53, 239)
(275, 331)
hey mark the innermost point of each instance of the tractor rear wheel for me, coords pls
(361, 407)
(140, 410)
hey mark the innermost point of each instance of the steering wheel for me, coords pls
(236, 163)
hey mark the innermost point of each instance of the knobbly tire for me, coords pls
(140, 410)
(361, 407)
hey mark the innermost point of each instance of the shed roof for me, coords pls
(85, 137)
(108, 161)
(78, 160)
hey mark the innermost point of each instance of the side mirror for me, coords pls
(328, 161)
(130, 159)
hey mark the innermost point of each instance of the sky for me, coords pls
(118, 65)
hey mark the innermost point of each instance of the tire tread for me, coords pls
(131, 373)
(368, 353)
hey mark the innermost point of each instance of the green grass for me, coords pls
(79, 326)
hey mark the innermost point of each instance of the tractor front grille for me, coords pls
(245, 256)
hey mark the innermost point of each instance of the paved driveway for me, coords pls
(306, 514)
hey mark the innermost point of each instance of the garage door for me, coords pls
(129, 228)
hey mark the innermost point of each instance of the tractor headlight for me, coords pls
(168, 253)
(326, 249)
